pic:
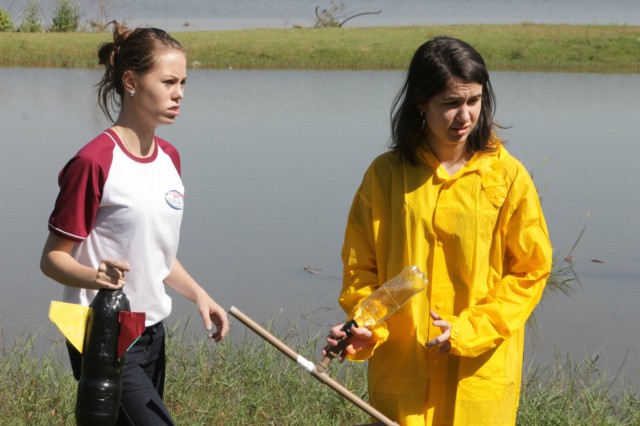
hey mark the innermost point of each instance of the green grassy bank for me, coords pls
(245, 381)
(521, 47)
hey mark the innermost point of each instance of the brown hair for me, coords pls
(133, 50)
(434, 64)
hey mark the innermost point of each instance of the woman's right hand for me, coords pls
(112, 273)
(361, 338)
(58, 264)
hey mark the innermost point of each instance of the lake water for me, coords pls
(234, 14)
(271, 160)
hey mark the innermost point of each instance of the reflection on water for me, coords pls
(271, 160)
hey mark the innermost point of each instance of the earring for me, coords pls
(132, 92)
(423, 124)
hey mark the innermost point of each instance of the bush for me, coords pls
(66, 17)
(331, 16)
(6, 24)
(31, 18)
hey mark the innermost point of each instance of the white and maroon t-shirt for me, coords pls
(118, 206)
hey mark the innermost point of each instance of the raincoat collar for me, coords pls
(484, 163)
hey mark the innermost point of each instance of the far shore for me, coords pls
(517, 47)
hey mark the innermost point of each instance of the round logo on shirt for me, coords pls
(175, 199)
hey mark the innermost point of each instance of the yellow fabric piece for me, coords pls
(71, 320)
(481, 239)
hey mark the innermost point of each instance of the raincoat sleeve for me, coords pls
(521, 257)
(360, 266)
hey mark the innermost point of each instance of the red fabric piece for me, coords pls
(131, 327)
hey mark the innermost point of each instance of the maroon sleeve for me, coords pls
(172, 152)
(81, 183)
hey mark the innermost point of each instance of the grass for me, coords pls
(570, 393)
(245, 381)
(240, 381)
(520, 47)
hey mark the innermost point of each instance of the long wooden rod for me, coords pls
(310, 367)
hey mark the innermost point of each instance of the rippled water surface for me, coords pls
(271, 160)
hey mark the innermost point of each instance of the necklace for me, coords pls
(124, 141)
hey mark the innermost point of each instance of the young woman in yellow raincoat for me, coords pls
(450, 199)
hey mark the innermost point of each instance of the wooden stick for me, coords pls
(310, 367)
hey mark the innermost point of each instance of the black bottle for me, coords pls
(100, 387)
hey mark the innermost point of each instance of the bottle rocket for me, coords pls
(102, 333)
(99, 387)
(379, 305)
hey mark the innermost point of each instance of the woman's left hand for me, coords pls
(213, 315)
(443, 342)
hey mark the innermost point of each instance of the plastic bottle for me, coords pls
(390, 297)
(100, 387)
(378, 306)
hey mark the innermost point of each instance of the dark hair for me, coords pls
(131, 50)
(434, 64)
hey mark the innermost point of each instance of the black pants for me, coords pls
(142, 380)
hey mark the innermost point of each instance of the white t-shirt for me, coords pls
(121, 207)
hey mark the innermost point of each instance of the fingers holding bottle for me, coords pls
(112, 274)
(343, 343)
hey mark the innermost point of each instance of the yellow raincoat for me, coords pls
(481, 239)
